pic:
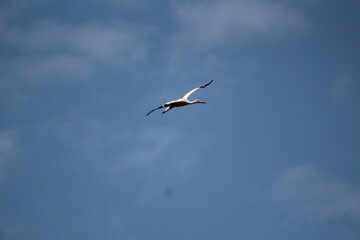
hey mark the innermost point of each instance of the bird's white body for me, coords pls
(181, 101)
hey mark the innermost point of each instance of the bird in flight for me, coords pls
(183, 101)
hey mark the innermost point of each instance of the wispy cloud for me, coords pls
(205, 28)
(154, 151)
(145, 158)
(130, 4)
(152, 144)
(11, 9)
(117, 150)
(341, 87)
(57, 67)
(52, 51)
(158, 156)
(344, 92)
(7, 150)
(216, 23)
(102, 42)
(303, 192)
(87, 136)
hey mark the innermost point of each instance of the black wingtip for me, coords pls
(204, 86)
(150, 112)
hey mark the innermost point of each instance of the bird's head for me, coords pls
(199, 101)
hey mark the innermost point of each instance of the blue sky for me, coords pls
(273, 155)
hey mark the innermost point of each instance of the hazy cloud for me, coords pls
(11, 9)
(146, 157)
(341, 87)
(204, 26)
(131, 4)
(49, 50)
(153, 143)
(7, 149)
(87, 136)
(118, 149)
(303, 192)
(216, 23)
(153, 150)
(51, 68)
(158, 156)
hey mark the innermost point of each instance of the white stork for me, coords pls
(181, 101)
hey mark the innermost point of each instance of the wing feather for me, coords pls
(195, 89)
(191, 92)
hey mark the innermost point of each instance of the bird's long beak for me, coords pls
(203, 102)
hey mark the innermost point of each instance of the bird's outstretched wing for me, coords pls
(195, 89)
(154, 110)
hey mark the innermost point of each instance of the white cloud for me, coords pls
(153, 143)
(131, 4)
(117, 41)
(154, 150)
(113, 150)
(144, 158)
(49, 50)
(11, 9)
(206, 28)
(341, 87)
(50, 68)
(88, 137)
(217, 23)
(158, 156)
(303, 192)
(7, 149)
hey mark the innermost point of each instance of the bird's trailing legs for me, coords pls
(155, 109)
